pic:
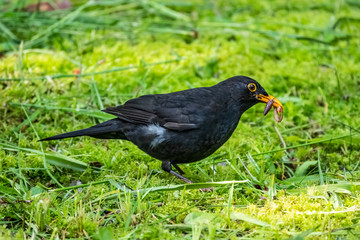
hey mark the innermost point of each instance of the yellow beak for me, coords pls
(265, 99)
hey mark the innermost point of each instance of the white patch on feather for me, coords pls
(159, 132)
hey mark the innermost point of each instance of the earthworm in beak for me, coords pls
(276, 113)
(268, 106)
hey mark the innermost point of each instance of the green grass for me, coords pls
(295, 179)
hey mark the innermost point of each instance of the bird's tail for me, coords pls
(107, 130)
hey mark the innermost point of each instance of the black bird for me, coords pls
(184, 126)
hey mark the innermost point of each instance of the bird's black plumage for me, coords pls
(179, 127)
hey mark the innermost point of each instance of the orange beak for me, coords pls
(266, 99)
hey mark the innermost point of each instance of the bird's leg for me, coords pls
(178, 168)
(166, 166)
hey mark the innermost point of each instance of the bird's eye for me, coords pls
(252, 87)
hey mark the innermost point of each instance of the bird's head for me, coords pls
(249, 92)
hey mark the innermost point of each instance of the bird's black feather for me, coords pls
(106, 130)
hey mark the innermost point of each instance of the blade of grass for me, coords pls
(122, 187)
(320, 171)
(96, 92)
(114, 194)
(241, 175)
(8, 32)
(272, 188)
(162, 9)
(26, 121)
(55, 158)
(42, 151)
(79, 186)
(249, 219)
(338, 188)
(303, 145)
(309, 179)
(252, 161)
(253, 178)
(230, 198)
(303, 235)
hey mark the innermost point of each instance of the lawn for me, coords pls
(296, 179)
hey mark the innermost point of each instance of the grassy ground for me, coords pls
(292, 179)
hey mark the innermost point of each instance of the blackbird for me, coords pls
(184, 126)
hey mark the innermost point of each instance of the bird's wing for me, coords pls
(173, 111)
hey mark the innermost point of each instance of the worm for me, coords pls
(276, 114)
(268, 106)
